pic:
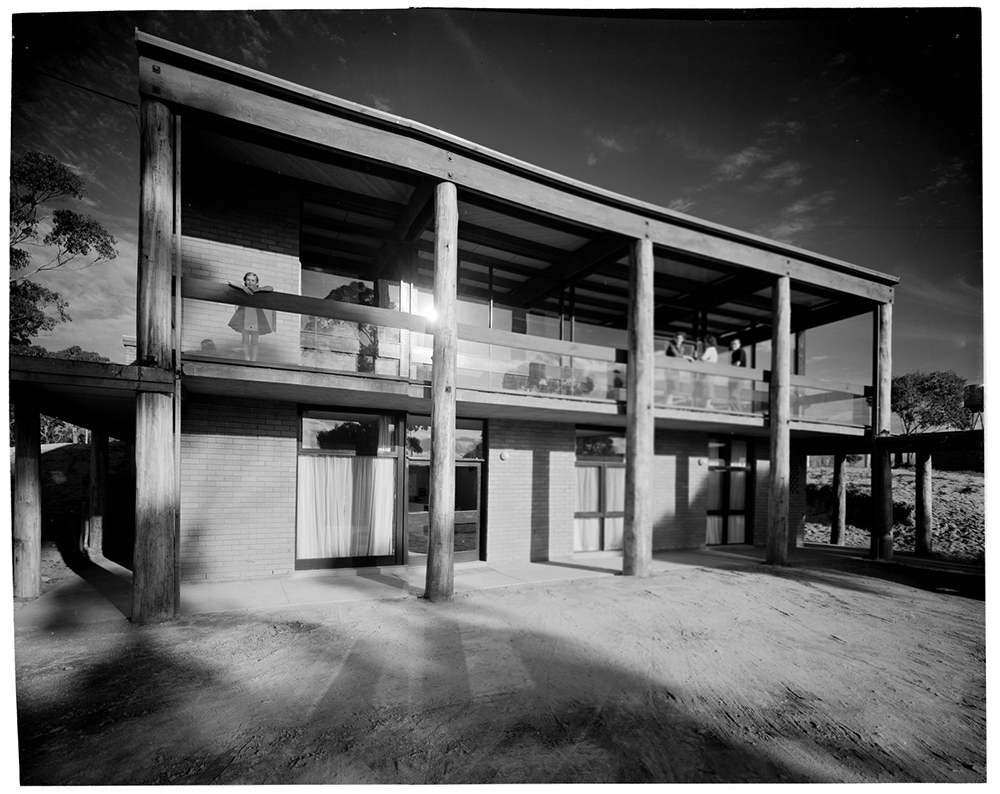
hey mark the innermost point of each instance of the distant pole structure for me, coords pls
(839, 523)
(924, 537)
(27, 529)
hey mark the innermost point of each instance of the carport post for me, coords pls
(27, 529)
(98, 491)
(924, 539)
(839, 522)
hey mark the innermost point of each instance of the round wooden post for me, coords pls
(441, 541)
(637, 552)
(839, 522)
(153, 590)
(98, 491)
(27, 529)
(924, 540)
(780, 400)
(881, 471)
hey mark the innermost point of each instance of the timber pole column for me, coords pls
(881, 470)
(839, 523)
(153, 592)
(638, 540)
(923, 541)
(27, 529)
(441, 541)
(780, 400)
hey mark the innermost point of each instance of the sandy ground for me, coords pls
(851, 671)
(958, 511)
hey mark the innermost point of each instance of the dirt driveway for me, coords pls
(848, 672)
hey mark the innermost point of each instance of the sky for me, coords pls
(853, 133)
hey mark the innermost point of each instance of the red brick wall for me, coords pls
(238, 489)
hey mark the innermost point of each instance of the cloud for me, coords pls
(610, 143)
(592, 159)
(798, 218)
(738, 165)
(785, 176)
(681, 205)
(381, 103)
(948, 174)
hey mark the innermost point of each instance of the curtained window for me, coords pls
(346, 486)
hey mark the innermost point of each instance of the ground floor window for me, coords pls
(346, 502)
(729, 501)
(599, 519)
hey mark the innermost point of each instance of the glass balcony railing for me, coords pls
(341, 337)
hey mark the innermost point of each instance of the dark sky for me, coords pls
(854, 133)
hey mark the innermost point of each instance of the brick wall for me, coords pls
(234, 221)
(238, 486)
(680, 492)
(531, 494)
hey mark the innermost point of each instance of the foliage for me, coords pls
(37, 180)
(28, 315)
(74, 353)
(925, 401)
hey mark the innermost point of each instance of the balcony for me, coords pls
(392, 347)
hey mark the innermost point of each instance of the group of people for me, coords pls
(702, 393)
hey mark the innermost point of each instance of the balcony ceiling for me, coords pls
(368, 219)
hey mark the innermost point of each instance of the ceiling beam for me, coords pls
(410, 224)
(591, 257)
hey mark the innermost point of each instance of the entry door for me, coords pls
(468, 501)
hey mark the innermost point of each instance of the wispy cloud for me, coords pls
(381, 103)
(681, 205)
(738, 165)
(784, 176)
(942, 177)
(798, 218)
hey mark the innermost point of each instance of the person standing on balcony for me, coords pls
(251, 322)
(737, 358)
(675, 349)
(703, 386)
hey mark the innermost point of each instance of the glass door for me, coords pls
(468, 480)
(728, 498)
(468, 488)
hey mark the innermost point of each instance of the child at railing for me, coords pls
(250, 321)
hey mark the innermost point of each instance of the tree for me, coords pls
(926, 401)
(36, 181)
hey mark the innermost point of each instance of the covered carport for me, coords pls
(98, 396)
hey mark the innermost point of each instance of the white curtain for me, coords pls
(588, 489)
(737, 490)
(713, 533)
(614, 533)
(614, 494)
(345, 506)
(737, 529)
(587, 534)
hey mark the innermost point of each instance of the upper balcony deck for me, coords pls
(315, 348)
